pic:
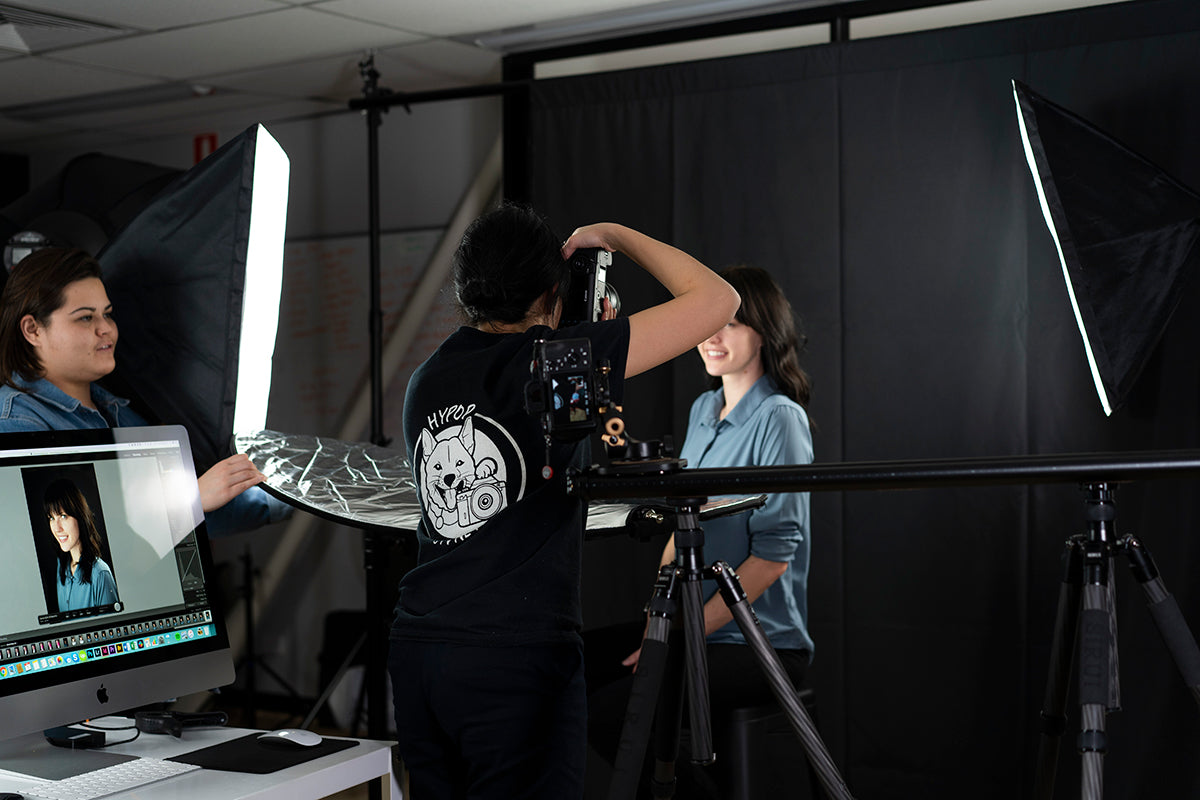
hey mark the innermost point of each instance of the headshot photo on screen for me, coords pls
(79, 577)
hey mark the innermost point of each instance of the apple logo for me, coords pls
(102, 694)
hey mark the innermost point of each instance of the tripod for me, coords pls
(1086, 610)
(678, 584)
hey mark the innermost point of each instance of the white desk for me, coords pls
(311, 780)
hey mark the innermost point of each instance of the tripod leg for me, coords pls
(1062, 652)
(689, 558)
(1095, 646)
(696, 662)
(822, 763)
(647, 681)
(1167, 616)
(668, 720)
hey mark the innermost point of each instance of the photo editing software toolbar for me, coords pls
(112, 642)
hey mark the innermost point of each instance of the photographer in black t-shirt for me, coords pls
(486, 658)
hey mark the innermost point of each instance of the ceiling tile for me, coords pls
(435, 64)
(289, 34)
(432, 64)
(235, 119)
(334, 78)
(452, 19)
(194, 108)
(46, 138)
(150, 15)
(33, 138)
(36, 79)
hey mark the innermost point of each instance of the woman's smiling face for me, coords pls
(733, 350)
(65, 529)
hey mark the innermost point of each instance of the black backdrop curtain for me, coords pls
(884, 185)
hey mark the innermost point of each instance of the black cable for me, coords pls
(91, 727)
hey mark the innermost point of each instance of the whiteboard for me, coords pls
(323, 345)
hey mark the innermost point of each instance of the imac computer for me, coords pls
(106, 582)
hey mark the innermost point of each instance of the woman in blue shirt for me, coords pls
(84, 580)
(57, 338)
(753, 416)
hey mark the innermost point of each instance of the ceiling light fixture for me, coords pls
(634, 21)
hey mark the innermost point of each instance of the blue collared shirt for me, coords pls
(74, 594)
(765, 428)
(39, 405)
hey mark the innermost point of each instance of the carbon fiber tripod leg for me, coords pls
(1098, 682)
(1062, 654)
(689, 558)
(1165, 611)
(781, 685)
(647, 683)
(1095, 645)
(696, 666)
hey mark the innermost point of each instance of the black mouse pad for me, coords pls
(248, 754)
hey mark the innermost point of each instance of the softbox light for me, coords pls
(1126, 234)
(195, 280)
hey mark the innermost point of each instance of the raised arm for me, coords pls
(701, 301)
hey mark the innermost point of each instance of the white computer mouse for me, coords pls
(291, 737)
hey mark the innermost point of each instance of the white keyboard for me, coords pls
(109, 780)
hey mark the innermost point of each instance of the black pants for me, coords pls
(735, 680)
(501, 723)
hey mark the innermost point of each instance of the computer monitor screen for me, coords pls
(106, 582)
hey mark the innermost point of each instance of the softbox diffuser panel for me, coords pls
(1126, 233)
(177, 275)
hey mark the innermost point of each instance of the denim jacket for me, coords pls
(41, 406)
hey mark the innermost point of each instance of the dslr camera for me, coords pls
(587, 286)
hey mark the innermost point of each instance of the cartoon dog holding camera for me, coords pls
(458, 489)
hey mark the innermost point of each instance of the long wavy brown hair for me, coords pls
(765, 309)
(62, 496)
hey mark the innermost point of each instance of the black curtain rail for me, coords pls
(1089, 468)
(385, 99)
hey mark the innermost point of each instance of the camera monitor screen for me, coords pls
(106, 593)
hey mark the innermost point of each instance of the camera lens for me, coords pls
(614, 299)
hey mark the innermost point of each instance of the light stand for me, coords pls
(1086, 613)
(375, 550)
(253, 661)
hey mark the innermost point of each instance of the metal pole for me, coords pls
(374, 549)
